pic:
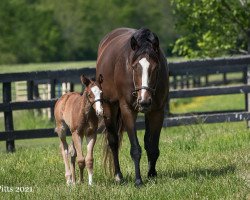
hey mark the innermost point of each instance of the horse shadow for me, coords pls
(197, 173)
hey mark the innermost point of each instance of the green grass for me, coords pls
(56, 66)
(196, 162)
(208, 103)
(45, 66)
(206, 161)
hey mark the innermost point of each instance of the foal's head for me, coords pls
(93, 93)
(145, 65)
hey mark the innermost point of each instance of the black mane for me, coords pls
(147, 42)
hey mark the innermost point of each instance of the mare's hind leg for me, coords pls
(154, 121)
(80, 158)
(110, 120)
(61, 131)
(89, 160)
(72, 152)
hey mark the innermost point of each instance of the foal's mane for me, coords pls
(147, 42)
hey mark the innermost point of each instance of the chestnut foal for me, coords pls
(80, 114)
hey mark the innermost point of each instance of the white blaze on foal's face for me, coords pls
(97, 93)
(144, 80)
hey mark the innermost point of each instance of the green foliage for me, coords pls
(45, 30)
(212, 27)
(28, 34)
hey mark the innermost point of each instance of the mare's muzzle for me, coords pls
(145, 105)
(144, 101)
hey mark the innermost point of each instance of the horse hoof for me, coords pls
(152, 174)
(69, 182)
(119, 178)
(138, 183)
(79, 182)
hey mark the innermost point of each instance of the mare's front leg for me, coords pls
(153, 121)
(89, 159)
(129, 117)
(77, 139)
(110, 119)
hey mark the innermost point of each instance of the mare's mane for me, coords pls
(147, 43)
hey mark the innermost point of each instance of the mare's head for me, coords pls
(93, 93)
(145, 65)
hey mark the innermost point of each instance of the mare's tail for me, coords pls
(108, 161)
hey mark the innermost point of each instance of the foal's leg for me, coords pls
(154, 121)
(80, 158)
(72, 152)
(61, 131)
(89, 159)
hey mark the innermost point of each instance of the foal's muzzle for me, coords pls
(97, 104)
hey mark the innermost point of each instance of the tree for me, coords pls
(27, 34)
(212, 27)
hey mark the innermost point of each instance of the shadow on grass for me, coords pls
(207, 172)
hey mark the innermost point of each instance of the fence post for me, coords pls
(175, 82)
(8, 117)
(30, 90)
(247, 95)
(72, 87)
(224, 78)
(52, 96)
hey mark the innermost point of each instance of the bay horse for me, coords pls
(80, 114)
(136, 80)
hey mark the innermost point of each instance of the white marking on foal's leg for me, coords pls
(89, 157)
(144, 80)
(90, 178)
(97, 92)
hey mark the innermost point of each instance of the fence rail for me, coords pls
(179, 70)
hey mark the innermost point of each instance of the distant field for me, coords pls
(54, 66)
(45, 66)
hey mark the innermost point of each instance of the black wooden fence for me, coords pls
(184, 71)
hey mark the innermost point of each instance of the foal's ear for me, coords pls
(85, 80)
(133, 43)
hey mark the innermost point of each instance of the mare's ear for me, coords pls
(155, 42)
(85, 80)
(133, 43)
(100, 80)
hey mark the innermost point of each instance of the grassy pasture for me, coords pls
(206, 161)
(196, 162)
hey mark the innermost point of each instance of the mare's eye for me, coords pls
(134, 66)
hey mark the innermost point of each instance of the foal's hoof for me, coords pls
(138, 183)
(152, 174)
(119, 178)
(79, 182)
(70, 183)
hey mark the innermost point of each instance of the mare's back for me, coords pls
(111, 53)
(112, 43)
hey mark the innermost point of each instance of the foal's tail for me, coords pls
(108, 161)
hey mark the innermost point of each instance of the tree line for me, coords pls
(62, 30)
(58, 30)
